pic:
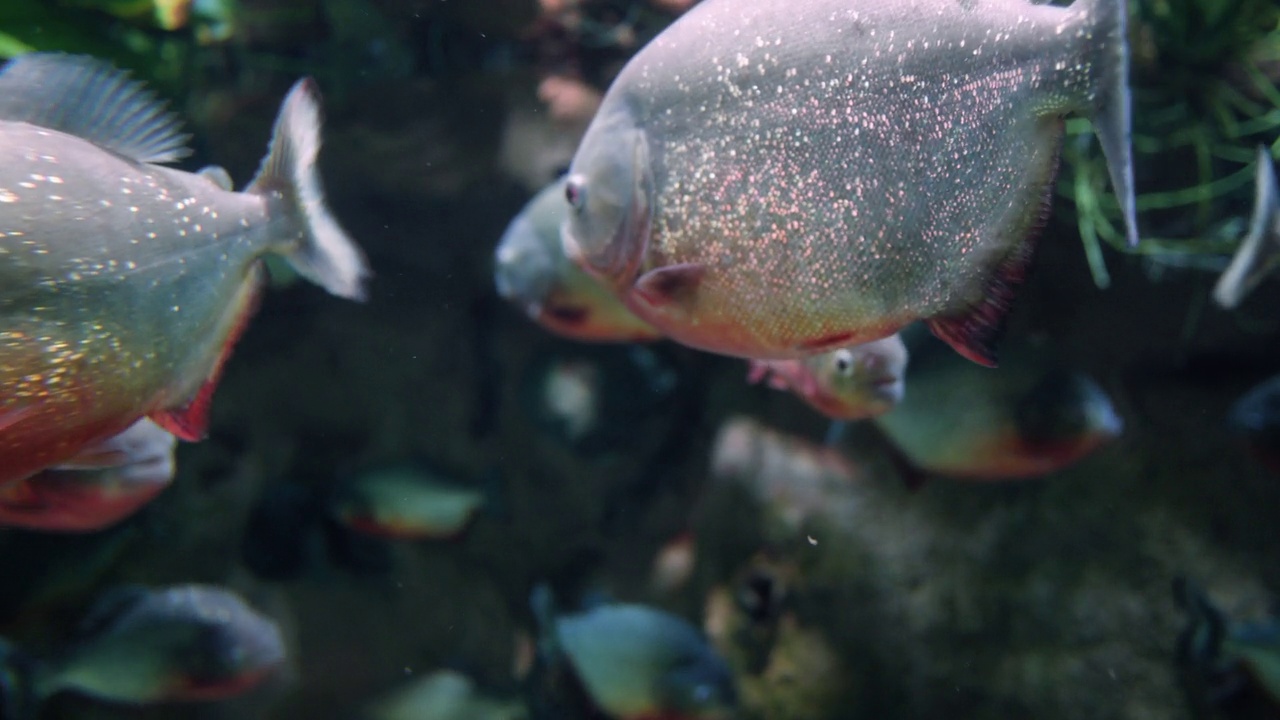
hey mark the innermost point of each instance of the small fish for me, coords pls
(1259, 251)
(639, 663)
(533, 272)
(98, 488)
(779, 178)
(1024, 420)
(124, 284)
(408, 501)
(1256, 417)
(183, 643)
(850, 383)
(444, 695)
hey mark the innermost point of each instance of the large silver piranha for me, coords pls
(124, 284)
(773, 179)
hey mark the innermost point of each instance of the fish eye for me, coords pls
(843, 361)
(576, 193)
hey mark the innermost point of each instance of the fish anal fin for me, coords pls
(671, 285)
(191, 421)
(975, 331)
(90, 99)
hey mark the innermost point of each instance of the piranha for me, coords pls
(409, 501)
(533, 272)
(98, 488)
(1259, 251)
(124, 284)
(182, 643)
(639, 663)
(1026, 419)
(780, 178)
(444, 695)
(1256, 418)
(850, 383)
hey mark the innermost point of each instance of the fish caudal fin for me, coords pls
(1106, 51)
(323, 253)
(1259, 251)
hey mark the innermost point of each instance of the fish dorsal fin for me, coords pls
(91, 99)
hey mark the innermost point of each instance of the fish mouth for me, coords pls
(887, 387)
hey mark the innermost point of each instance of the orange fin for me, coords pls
(671, 285)
(191, 422)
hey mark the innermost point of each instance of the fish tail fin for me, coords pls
(318, 248)
(1106, 50)
(1259, 251)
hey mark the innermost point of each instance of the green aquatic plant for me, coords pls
(1205, 95)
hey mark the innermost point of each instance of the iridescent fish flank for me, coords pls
(123, 284)
(778, 178)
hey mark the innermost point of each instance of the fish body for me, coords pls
(1025, 419)
(101, 486)
(407, 501)
(850, 383)
(183, 643)
(123, 284)
(533, 272)
(639, 663)
(1259, 251)
(776, 179)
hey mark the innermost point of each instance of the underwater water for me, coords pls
(817, 379)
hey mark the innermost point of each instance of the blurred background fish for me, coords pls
(444, 695)
(1025, 419)
(637, 662)
(533, 273)
(851, 383)
(183, 643)
(411, 500)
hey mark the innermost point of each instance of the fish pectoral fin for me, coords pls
(674, 285)
(975, 331)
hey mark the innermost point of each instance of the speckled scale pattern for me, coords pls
(845, 167)
(119, 282)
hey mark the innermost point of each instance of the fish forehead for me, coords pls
(68, 206)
